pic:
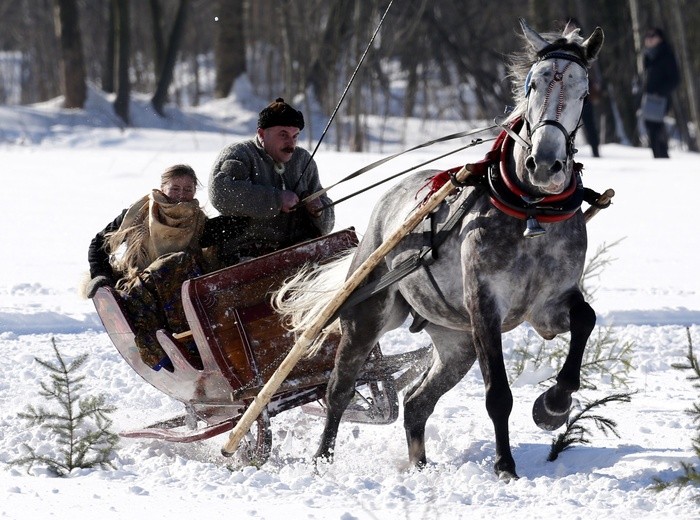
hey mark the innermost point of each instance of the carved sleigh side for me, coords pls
(236, 329)
(205, 393)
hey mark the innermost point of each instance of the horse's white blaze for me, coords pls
(557, 89)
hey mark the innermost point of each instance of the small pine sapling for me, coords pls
(605, 359)
(81, 426)
(593, 268)
(691, 473)
(576, 432)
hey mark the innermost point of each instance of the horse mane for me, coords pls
(520, 63)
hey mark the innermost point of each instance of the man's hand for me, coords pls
(314, 207)
(289, 201)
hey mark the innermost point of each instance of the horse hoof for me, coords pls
(507, 476)
(505, 469)
(419, 465)
(323, 458)
(547, 418)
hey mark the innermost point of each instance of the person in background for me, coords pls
(265, 180)
(661, 77)
(148, 250)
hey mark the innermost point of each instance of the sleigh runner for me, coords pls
(240, 341)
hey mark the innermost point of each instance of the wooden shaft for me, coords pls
(304, 341)
(602, 200)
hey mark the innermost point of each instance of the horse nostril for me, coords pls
(557, 167)
(530, 163)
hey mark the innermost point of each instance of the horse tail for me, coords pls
(302, 297)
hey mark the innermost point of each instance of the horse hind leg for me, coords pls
(551, 409)
(454, 355)
(340, 390)
(359, 335)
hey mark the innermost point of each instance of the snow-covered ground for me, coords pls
(65, 175)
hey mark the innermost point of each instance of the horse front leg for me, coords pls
(486, 329)
(551, 409)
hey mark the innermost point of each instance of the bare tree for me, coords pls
(158, 41)
(73, 65)
(689, 80)
(166, 74)
(337, 31)
(229, 45)
(108, 81)
(40, 77)
(121, 103)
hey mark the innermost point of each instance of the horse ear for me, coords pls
(538, 43)
(593, 44)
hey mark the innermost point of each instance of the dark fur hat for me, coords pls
(279, 113)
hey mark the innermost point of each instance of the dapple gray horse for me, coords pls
(489, 274)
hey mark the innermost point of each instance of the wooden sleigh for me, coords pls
(241, 342)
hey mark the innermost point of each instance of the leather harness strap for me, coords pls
(422, 258)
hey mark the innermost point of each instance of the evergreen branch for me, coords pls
(576, 433)
(523, 356)
(604, 357)
(55, 466)
(693, 364)
(594, 267)
(691, 474)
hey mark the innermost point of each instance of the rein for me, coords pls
(375, 164)
(474, 142)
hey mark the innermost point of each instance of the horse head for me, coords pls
(551, 102)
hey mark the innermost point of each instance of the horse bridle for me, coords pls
(558, 76)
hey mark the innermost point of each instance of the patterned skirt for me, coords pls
(153, 301)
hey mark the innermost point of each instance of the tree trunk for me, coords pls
(110, 51)
(229, 45)
(356, 108)
(285, 49)
(336, 33)
(687, 74)
(158, 41)
(166, 75)
(636, 34)
(121, 103)
(73, 64)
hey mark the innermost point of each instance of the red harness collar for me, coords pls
(504, 193)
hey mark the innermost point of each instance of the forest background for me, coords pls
(441, 59)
